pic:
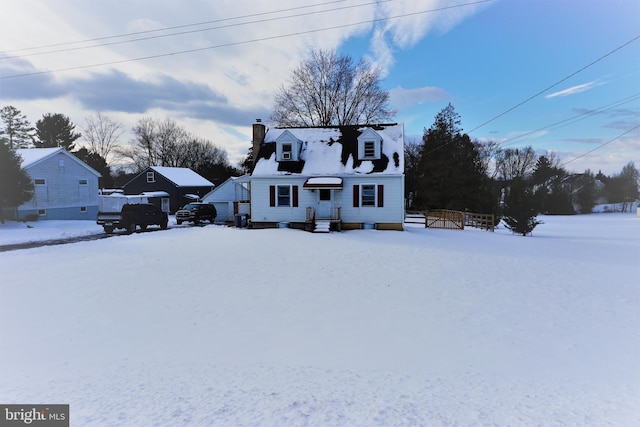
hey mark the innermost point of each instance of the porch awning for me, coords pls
(318, 182)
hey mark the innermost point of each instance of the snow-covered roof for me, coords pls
(31, 156)
(182, 177)
(333, 151)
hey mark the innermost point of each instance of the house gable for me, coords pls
(288, 147)
(369, 145)
(65, 186)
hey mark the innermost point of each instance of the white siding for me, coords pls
(262, 212)
(62, 188)
(391, 212)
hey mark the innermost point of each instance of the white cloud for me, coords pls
(243, 64)
(401, 97)
(573, 90)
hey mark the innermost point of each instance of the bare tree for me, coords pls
(515, 162)
(102, 135)
(488, 151)
(168, 144)
(329, 89)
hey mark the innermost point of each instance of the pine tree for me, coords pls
(451, 170)
(56, 130)
(520, 214)
(16, 186)
(17, 129)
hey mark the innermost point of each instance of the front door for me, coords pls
(325, 202)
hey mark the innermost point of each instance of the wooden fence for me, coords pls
(482, 221)
(442, 218)
(451, 220)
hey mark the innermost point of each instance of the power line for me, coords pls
(299, 33)
(556, 83)
(298, 15)
(136, 33)
(601, 145)
(573, 119)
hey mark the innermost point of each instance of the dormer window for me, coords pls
(369, 149)
(369, 145)
(287, 151)
(288, 147)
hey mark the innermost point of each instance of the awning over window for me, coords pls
(318, 182)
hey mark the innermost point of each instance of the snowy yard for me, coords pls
(233, 327)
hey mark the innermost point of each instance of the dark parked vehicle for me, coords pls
(133, 215)
(196, 212)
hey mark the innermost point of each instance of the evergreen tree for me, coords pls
(451, 170)
(520, 214)
(586, 193)
(17, 129)
(56, 130)
(16, 186)
(98, 163)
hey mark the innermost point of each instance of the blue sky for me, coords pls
(483, 57)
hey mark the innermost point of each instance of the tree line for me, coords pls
(155, 143)
(446, 169)
(449, 170)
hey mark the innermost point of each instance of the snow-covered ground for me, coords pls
(233, 327)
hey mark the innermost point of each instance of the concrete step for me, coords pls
(322, 227)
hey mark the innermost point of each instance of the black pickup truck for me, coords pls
(133, 215)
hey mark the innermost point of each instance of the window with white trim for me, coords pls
(83, 182)
(151, 177)
(83, 209)
(284, 195)
(287, 151)
(42, 212)
(368, 195)
(369, 149)
(39, 181)
(369, 145)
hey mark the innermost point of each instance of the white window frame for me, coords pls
(375, 196)
(369, 149)
(83, 182)
(83, 209)
(289, 197)
(287, 151)
(42, 212)
(151, 177)
(42, 181)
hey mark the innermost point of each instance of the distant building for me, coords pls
(230, 198)
(64, 186)
(182, 184)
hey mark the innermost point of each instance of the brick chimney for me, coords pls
(259, 132)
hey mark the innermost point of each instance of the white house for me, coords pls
(344, 177)
(64, 186)
(230, 198)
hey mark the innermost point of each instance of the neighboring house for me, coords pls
(348, 176)
(64, 186)
(182, 184)
(230, 198)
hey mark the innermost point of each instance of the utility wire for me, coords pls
(298, 15)
(572, 119)
(299, 33)
(136, 33)
(601, 145)
(557, 83)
